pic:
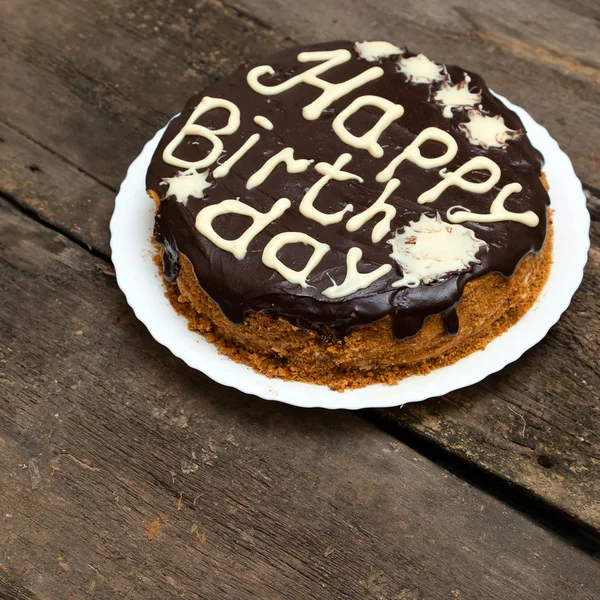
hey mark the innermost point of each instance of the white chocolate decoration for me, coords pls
(285, 156)
(185, 184)
(488, 132)
(455, 178)
(354, 280)
(329, 172)
(368, 140)
(212, 135)
(456, 96)
(263, 122)
(372, 51)
(389, 212)
(331, 91)
(497, 211)
(419, 69)
(429, 248)
(412, 153)
(269, 255)
(224, 169)
(239, 246)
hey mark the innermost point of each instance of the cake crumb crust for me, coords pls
(368, 354)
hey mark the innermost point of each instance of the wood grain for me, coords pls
(66, 168)
(104, 435)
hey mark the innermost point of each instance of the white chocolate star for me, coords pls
(419, 69)
(488, 132)
(373, 51)
(185, 184)
(430, 248)
(456, 96)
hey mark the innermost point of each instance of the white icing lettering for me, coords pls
(419, 69)
(329, 172)
(284, 156)
(384, 226)
(456, 178)
(224, 169)
(212, 135)
(269, 255)
(429, 249)
(412, 153)
(497, 211)
(331, 91)
(354, 280)
(239, 246)
(368, 140)
(186, 184)
(263, 122)
(372, 51)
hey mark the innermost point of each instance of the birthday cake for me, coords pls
(349, 213)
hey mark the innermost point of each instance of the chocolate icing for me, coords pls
(248, 285)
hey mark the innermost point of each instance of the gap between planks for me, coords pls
(59, 156)
(580, 534)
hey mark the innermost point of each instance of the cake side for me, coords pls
(369, 354)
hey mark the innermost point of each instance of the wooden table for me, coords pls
(124, 474)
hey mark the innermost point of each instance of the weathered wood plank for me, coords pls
(550, 27)
(97, 109)
(482, 424)
(107, 440)
(55, 190)
(10, 591)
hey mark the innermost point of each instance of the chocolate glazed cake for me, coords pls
(350, 213)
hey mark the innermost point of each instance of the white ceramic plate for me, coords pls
(137, 275)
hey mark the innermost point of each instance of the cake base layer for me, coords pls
(368, 354)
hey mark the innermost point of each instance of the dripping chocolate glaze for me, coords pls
(248, 285)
